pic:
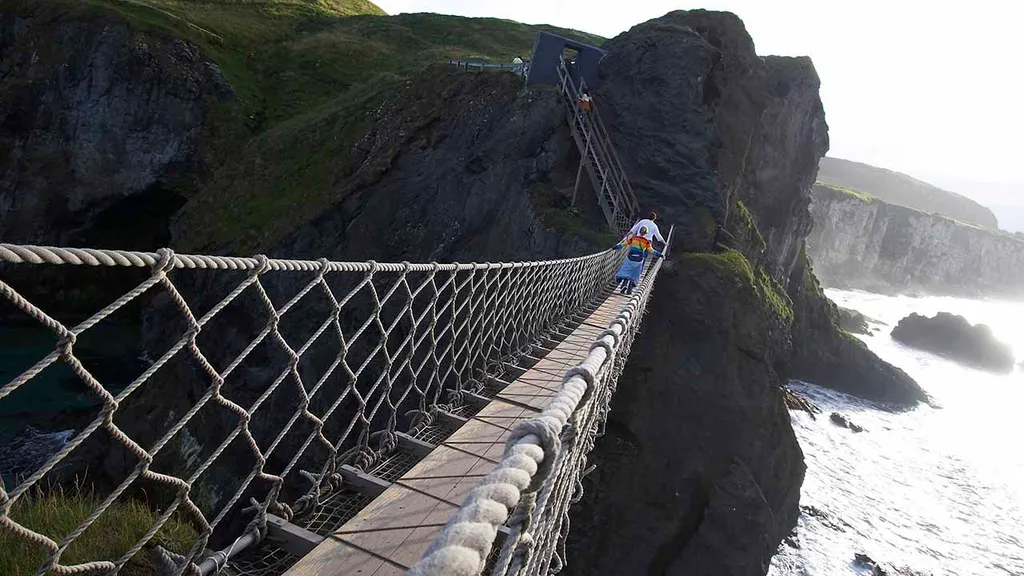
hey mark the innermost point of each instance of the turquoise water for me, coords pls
(938, 490)
(37, 416)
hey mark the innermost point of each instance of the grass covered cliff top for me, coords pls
(283, 56)
(307, 76)
(904, 190)
(831, 189)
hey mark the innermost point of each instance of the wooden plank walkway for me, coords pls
(395, 529)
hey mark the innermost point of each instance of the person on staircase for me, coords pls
(638, 248)
(586, 102)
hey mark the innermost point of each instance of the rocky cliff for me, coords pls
(862, 242)
(725, 144)
(446, 166)
(97, 121)
(897, 188)
(699, 471)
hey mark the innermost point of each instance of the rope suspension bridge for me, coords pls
(438, 419)
(317, 417)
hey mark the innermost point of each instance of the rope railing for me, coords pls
(518, 68)
(265, 376)
(540, 474)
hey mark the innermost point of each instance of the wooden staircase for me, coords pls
(614, 192)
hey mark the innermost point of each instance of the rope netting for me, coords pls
(262, 377)
(540, 474)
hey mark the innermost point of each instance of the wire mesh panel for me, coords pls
(258, 379)
(538, 478)
(333, 512)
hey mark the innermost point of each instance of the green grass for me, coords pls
(285, 56)
(306, 75)
(731, 263)
(775, 295)
(113, 534)
(858, 195)
(285, 176)
(554, 212)
(745, 221)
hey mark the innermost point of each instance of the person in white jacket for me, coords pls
(652, 229)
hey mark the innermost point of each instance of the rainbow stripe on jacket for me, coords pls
(637, 248)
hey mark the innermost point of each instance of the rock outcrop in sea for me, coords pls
(954, 337)
(861, 242)
(852, 321)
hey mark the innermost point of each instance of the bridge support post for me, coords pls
(576, 186)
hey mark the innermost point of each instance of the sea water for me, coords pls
(937, 490)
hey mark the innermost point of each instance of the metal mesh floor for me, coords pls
(263, 561)
(335, 511)
(394, 466)
(434, 434)
(466, 410)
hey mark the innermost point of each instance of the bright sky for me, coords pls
(930, 88)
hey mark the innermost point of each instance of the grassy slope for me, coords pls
(897, 188)
(306, 74)
(869, 199)
(113, 534)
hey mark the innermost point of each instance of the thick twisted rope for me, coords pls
(27, 254)
(432, 329)
(540, 469)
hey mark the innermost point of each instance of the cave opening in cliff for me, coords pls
(137, 222)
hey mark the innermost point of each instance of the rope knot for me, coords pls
(324, 265)
(262, 265)
(166, 262)
(65, 344)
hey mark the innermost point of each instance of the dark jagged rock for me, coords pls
(720, 501)
(852, 321)
(730, 141)
(795, 401)
(954, 337)
(825, 354)
(725, 145)
(837, 524)
(844, 422)
(98, 123)
(881, 569)
(103, 115)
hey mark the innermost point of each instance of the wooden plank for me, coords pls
(387, 522)
(451, 420)
(398, 526)
(414, 446)
(334, 556)
(362, 481)
(291, 538)
(439, 474)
